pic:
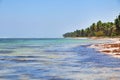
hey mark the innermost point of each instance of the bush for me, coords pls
(99, 33)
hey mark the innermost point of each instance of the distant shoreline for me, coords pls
(76, 38)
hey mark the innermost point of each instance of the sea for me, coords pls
(55, 59)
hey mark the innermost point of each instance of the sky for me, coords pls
(52, 18)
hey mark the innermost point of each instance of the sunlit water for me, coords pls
(55, 59)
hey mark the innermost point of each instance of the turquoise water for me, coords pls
(55, 59)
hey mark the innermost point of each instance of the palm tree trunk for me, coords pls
(119, 44)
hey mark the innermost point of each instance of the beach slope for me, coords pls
(112, 48)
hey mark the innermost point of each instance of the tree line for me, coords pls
(99, 29)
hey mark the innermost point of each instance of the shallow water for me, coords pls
(55, 59)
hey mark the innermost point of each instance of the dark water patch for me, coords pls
(49, 78)
(10, 47)
(17, 40)
(56, 78)
(58, 50)
(78, 71)
(8, 41)
(117, 70)
(61, 50)
(29, 46)
(10, 77)
(22, 46)
(5, 51)
(20, 60)
(84, 45)
(27, 56)
(29, 70)
(12, 57)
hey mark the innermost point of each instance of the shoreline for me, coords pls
(112, 48)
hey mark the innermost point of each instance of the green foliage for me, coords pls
(99, 33)
(98, 29)
(117, 25)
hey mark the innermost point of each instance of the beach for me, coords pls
(111, 48)
(55, 59)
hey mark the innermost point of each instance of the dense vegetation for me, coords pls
(99, 29)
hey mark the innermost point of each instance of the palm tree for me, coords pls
(117, 24)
